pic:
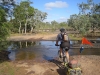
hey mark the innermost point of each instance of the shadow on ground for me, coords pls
(61, 70)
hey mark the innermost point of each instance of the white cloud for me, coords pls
(56, 4)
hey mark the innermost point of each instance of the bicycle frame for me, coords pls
(65, 61)
(64, 58)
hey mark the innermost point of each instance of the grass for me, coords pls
(73, 37)
(16, 34)
(8, 68)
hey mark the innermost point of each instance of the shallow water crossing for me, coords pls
(47, 50)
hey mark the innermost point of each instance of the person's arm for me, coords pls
(57, 42)
(57, 39)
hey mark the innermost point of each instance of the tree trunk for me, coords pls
(31, 28)
(25, 27)
(19, 27)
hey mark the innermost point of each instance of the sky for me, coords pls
(58, 10)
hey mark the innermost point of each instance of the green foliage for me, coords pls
(87, 19)
(23, 11)
(2, 15)
(23, 15)
(8, 6)
(4, 27)
(4, 31)
(3, 45)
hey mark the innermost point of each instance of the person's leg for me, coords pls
(60, 52)
(67, 55)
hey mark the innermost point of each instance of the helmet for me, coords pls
(62, 30)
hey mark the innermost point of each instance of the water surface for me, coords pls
(43, 49)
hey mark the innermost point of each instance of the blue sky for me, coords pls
(58, 10)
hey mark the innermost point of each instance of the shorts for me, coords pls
(65, 45)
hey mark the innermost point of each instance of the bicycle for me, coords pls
(68, 70)
(63, 57)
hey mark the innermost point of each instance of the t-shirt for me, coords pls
(59, 37)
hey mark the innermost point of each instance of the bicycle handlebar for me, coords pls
(57, 45)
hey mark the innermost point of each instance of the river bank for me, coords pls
(89, 65)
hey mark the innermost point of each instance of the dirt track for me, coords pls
(33, 37)
(89, 65)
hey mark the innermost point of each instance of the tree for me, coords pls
(23, 14)
(54, 23)
(28, 16)
(89, 9)
(87, 18)
(3, 27)
(5, 9)
(8, 6)
(39, 17)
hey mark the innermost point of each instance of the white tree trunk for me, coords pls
(31, 28)
(25, 26)
(20, 28)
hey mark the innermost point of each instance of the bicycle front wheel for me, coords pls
(65, 59)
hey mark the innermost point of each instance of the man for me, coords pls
(64, 40)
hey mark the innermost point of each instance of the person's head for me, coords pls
(62, 30)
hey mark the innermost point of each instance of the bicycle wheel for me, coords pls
(60, 59)
(65, 60)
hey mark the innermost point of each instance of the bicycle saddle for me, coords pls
(66, 48)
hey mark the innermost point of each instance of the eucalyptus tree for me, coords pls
(39, 17)
(73, 21)
(23, 14)
(43, 17)
(54, 24)
(87, 18)
(97, 14)
(36, 17)
(48, 25)
(90, 10)
(18, 15)
(79, 23)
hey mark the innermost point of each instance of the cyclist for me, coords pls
(63, 44)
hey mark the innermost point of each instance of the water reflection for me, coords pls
(25, 50)
(4, 45)
(12, 55)
(16, 53)
(24, 55)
